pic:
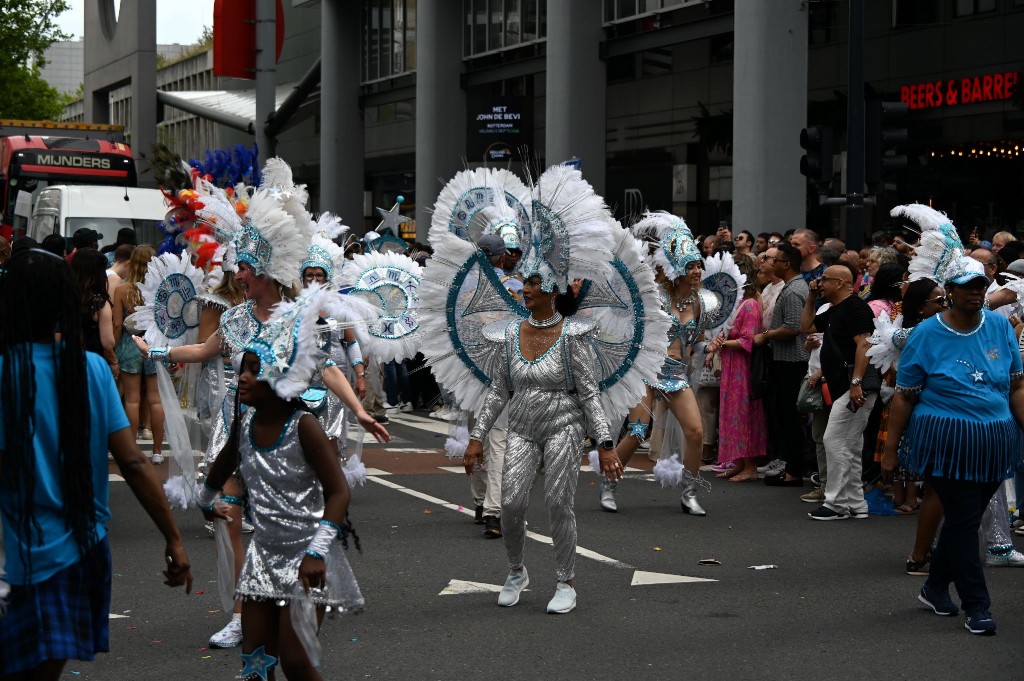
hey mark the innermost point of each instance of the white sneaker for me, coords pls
(563, 601)
(1012, 558)
(390, 408)
(145, 434)
(449, 414)
(406, 407)
(228, 637)
(773, 468)
(516, 581)
(157, 459)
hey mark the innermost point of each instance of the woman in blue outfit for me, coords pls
(59, 414)
(955, 421)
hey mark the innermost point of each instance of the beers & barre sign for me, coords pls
(991, 87)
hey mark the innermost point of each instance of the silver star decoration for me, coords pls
(978, 376)
(391, 219)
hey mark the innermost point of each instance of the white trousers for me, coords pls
(485, 483)
(844, 444)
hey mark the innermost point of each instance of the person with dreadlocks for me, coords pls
(60, 415)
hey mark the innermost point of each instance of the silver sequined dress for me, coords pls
(553, 403)
(286, 503)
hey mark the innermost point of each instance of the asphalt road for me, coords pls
(837, 606)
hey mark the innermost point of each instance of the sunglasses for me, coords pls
(938, 300)
(766, 258)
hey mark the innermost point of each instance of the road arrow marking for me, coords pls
(457, 587)
(458, 508)
(641, 578)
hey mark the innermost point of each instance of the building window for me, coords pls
(966, 8)
(910, 13)
(495, 25)
(389, 38)
(623, 10)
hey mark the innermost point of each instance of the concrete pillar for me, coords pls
(576, 88)
(266, 73)
(341, 118)
(440, 103)
(769, 110)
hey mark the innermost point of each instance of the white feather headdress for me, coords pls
(940, 255)
(390, 281)
(675, 245)
(459, 206)
(569, 234)
(323, 251)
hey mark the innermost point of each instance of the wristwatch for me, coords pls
(855, 381)
(606, 444)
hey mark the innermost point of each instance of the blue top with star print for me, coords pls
(961, 427)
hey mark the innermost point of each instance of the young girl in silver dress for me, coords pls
(297, 499)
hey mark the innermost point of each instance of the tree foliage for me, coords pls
(28, 28)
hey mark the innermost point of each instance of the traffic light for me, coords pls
(885, 135)
(816, 164)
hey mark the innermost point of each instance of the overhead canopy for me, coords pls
(234, 108)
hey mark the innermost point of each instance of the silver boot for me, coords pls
(608, 496)
(688, 501)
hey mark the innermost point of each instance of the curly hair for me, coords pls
(54, 307)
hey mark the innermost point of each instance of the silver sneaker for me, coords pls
(688, 501)
(516, 581)
(1011, 558)
(563, 601)
(773, 468)
(228, 637)
(608, 496)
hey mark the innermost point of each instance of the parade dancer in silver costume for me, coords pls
(681, 297)
(553, 402)
(295, 569)
(265, 248)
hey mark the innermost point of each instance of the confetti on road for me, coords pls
(427, 511)
(198, 593)
(708, 561)
(763, 567)
(657, 548)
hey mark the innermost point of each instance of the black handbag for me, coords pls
(870, 382)
(761, 370)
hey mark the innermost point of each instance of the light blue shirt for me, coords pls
(58, 549)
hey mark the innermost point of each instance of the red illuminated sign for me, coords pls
(993, 87)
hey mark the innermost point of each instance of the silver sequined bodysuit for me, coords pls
(286, 503)
(553, 402)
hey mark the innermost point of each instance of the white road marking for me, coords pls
(585, 468)
(458, 508)
(430, 425)
(458, 470)
(457, 587)
(114, 477)
(118, 617)
(376, 471)
(641, 578)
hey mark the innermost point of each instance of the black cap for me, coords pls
(85, 237)
(126, 235)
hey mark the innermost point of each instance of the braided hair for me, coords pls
(53, 307)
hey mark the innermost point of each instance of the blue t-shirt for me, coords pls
(961, 426)
(58, 549)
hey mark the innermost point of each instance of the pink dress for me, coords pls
(741, 423)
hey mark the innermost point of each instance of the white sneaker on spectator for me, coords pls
(1010, 558)
(145, 434)
(405, 407)
(390, 408)
(773, 468)
(157, 459)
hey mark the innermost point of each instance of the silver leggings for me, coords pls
(560, 454)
